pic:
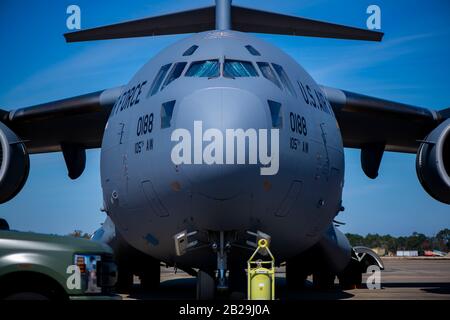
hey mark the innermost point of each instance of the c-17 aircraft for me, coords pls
(220, 140)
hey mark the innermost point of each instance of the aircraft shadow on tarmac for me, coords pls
(184, 289)
(438, 290)
(430, 287)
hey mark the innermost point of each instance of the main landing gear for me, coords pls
(323, 279)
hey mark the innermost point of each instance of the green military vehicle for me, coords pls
(48, 267)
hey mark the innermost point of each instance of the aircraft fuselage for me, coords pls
(151, 198)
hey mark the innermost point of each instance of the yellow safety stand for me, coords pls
(261, 275)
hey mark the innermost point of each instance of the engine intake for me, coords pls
(14, 164)
(433, 163)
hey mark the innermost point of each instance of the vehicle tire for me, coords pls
(151, 277)
(351, 277)
(124, 282)
(206, 286)
(31, 286)
(237, 279)
(350, 281)
(27, 295)
(323, 280)
(295, 275)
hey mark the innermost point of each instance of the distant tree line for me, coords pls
(80, 234)
(416, 241)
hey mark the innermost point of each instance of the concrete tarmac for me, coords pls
(403, 279)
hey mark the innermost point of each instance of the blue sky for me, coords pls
(411, 65)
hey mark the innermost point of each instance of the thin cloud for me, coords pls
(364, 56)
(366, 189)
(92, 66)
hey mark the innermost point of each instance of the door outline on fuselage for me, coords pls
(290, 199)
(153, 200)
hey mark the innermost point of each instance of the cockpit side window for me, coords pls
(158, 79)
(268, 73)
(190, 51)
(284, 78)
(174, 73)
(237, 68)
(252, 50)
(206, 68)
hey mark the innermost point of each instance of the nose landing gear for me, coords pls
(229, 266)
(206, 284)
(222, 249)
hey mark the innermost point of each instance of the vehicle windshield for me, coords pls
(206, 68)
(236, 68)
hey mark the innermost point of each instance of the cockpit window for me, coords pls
(236, 68)
(190, 51)
(252, 50)
(174, 73)
(268, 73)
(158, 79)
(206, 68)
(284, 78)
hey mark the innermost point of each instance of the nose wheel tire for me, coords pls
(206, 286)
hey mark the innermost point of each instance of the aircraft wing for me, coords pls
(366, 121)
(77, 121)
(71, 125)
(363, 121)
(75, 124)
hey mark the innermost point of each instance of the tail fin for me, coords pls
(242, 19)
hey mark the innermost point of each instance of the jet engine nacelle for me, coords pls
(433, 163)
(14, 164)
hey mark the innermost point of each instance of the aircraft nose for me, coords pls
(209, 115)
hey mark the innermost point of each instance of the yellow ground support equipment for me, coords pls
(261, 274)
